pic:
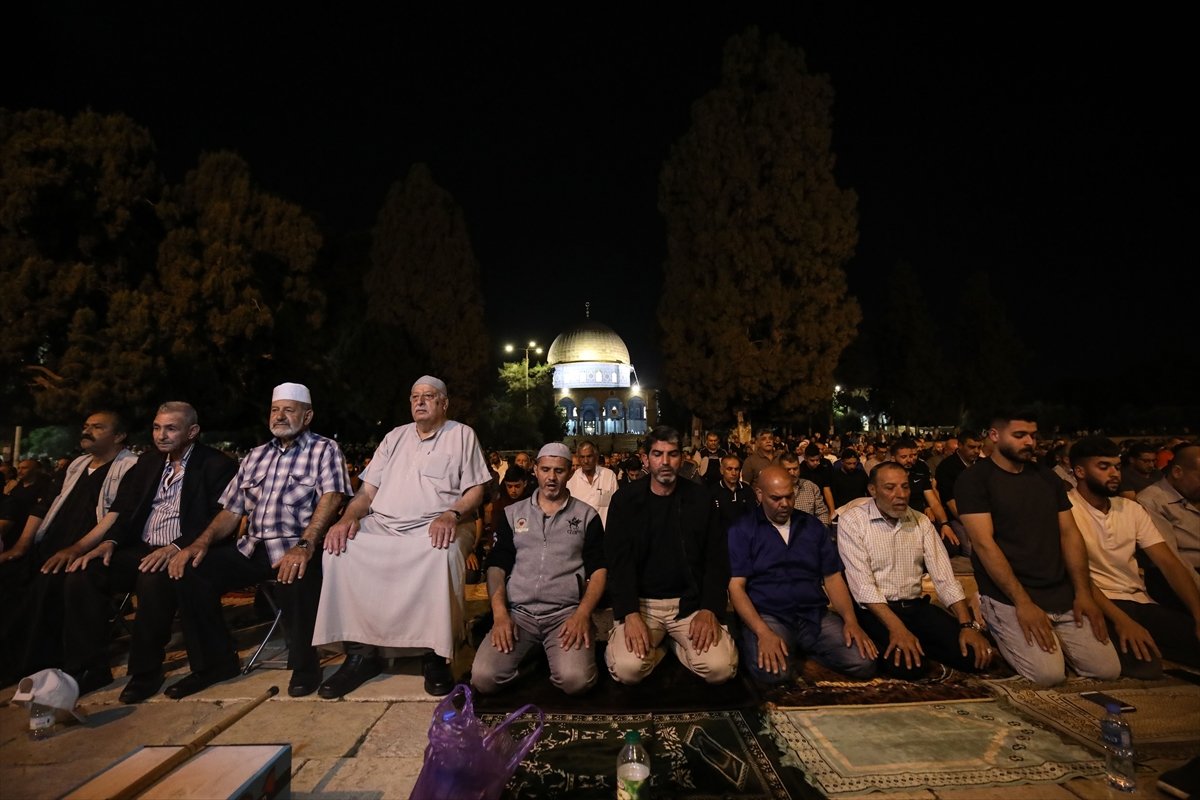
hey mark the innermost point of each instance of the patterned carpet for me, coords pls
(819, 687)
(1165, 725)
(924, 746)
(696, 755)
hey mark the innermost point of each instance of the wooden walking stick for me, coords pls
(190, 749)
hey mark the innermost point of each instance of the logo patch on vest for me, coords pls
(573, 526)
(522, 525)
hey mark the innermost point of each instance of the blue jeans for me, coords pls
(823, 641)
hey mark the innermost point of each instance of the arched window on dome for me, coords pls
(589, 416)
(614, 421)
(570, 415)
(637, 416)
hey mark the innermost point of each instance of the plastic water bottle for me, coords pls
(41, 721)
(1118, 750)
(633, 769)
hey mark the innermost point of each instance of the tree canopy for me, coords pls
(755, 310)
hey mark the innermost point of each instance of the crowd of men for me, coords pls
(1085, 556)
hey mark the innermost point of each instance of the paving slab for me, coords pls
(314, 730)
(1040, 791)
(402, 732)
(45, 781)
(356, 778)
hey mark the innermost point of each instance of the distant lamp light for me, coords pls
(508, 348)
(837, 388)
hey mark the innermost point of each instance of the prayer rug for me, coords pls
(924, 746)
(696, 755)
(670, 688)
(943, 685)
(1165, 725)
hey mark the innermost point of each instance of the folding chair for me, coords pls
(278, 659)
(119, 610)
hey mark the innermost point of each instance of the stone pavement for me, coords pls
(367, 746)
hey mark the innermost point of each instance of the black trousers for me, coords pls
(1174, 632)
(89, 597)
(935, 629)
(209, 642)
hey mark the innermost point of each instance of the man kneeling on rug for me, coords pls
(886, 547)
(548, 547)
(779, 559)
(668, 569)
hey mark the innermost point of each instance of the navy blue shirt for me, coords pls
(783, 580)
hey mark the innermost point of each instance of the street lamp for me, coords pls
(508, 348)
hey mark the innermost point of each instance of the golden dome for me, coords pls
(590, 341)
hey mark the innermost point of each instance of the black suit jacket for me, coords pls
(208, 473)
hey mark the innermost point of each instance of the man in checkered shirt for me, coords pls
(886, 548)
(289, 490)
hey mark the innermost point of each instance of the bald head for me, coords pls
(1183, 473)
(776, 493)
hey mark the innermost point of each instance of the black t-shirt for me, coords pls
(77, 515)
(947, 475)
(820, 476)
(1024, 508)
(663, 573)
(919, 480)
(18, 504)
(847, 486)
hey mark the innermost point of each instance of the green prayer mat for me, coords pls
(924, 746)
(704, 755)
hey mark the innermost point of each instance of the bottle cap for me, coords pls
(633, 737)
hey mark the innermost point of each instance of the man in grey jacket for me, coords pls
(546, 574)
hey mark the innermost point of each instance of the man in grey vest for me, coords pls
(545, 576)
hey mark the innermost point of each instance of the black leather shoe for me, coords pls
(304, 683)
(92, 679)
(439, 680)
(141, 687)
(354, 672)
(199, 681)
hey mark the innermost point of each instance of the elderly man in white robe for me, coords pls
(397, 564)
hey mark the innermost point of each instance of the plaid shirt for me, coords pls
(162, 526)
(278, 489)
(811, 500)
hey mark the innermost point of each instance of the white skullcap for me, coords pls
(292, 391)
(429, 380)
(554, 450)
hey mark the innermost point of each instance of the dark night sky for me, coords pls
(1058, 155)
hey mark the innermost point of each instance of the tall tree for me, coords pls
(235, 295)
(78, 236)
(424, 281)
(755, 311)
(910, 355)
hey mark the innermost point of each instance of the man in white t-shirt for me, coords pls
(1113, 528)
(592, 483)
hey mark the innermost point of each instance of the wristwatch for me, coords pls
(457, 514)
(972, 625)
(302, 544)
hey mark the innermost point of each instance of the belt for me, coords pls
(916, 601)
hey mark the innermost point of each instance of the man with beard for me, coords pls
(886, 548)
(668, 569)
(762, 457)
(57, 531)
(1114, 530)
(165, 501)
(548, 549)
(785, 573)
(1139, 471)
(1030, 561)
(288, 490)
(29, 488)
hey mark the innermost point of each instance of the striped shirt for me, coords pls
(885, 560)
(278, 490)
(162, 526)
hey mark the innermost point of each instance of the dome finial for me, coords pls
(587, 309)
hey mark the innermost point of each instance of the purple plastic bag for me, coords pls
(465, 760)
